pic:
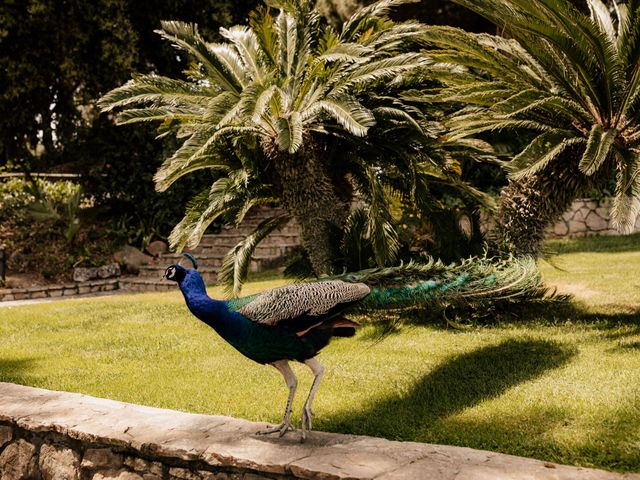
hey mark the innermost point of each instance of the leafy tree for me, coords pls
(56, 60)
(53, 61)
(291, 113)
(568, 79)
(437, 12)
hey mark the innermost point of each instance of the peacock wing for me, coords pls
(302, 299)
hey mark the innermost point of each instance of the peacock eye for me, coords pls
(171, 272)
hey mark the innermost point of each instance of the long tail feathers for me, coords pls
(474, 281)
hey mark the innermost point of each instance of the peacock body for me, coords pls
(296, 321)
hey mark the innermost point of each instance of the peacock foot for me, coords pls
(283, 428)
(307, 418)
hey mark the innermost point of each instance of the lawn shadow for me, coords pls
(455, 385)
(592, 244)
(13, 370)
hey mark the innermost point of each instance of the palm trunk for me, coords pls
(530, 205)
(311, 197)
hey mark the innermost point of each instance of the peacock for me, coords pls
(294, 322)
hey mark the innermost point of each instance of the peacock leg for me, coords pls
(307, 413)
(292, 382)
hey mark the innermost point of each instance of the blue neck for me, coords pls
(212, 312)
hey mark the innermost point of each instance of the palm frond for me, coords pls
(185, 36)
(349, 113)
(160, 90)
(246, 43)
(599, 145)
(236, 263)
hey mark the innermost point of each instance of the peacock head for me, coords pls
(177, 273)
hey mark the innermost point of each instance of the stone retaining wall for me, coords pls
(586, 217)
(53, 291)
(64, 436)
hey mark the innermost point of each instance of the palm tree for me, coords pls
(291, 113)
(282, 85)
(568, 79)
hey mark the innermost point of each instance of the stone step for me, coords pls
(232, 239)
(137, 284)
(262, 250)
(158, 270)
(202, 258)
(154, 284)
(249, 227)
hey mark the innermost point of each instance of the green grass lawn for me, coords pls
(562, 385)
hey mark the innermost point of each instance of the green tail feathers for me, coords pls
(474, 281)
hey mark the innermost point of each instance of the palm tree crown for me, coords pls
(571, 78)
(283, 111)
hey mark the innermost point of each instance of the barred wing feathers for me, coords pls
(314, 299)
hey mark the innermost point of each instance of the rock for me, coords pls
(17, 461)
(576, 228)
(82, 274)
(132, 259)
(59, 463)
(183, 474)
(109, 271)
(5, 435)
(595, 222)
(116, 475)
(157, 248)
(143, 466)
(561, 229)
(101, 457)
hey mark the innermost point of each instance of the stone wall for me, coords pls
(65, 436)
(586, 217)
(56, 291)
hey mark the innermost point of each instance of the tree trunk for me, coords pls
(312, 198)
(530, 205)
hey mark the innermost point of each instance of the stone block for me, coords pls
(561, 229)
(578, 216)
(70, 291)
(8, 297)
(101, 457)
(55, 291)
(38, 294)
(183, 474)
(6, 433)
(577, 227)
(151, 476)
(109, 271)
(143, 466)
(18, 461)
(84, 289)
(59, 463)
(20, 295)
(116, 475)
(595, 222)
(82, 274)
